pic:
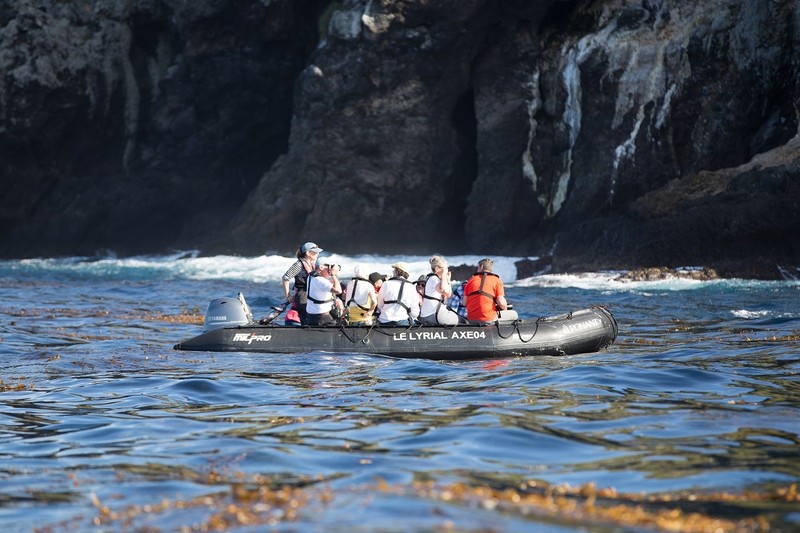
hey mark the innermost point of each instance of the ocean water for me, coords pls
(690, 421)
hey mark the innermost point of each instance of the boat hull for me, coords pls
(584, 331)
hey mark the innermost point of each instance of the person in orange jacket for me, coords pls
(484, 296)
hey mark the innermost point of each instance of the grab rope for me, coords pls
(516, 330)
(362, 340)
(377, 327)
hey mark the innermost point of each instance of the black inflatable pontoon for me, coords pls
(583, 331)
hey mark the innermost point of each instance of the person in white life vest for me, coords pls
(360, 299)
(436, 296)
(323, 287)
(398, 300)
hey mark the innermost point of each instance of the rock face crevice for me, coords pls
(607, 133)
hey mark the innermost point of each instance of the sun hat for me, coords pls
(402, 266)
(437, 261)
(310, 247)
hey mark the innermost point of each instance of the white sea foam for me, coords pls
(611, 280)
(268, 268)
(744, 313)
(271, 268)
(257, 269)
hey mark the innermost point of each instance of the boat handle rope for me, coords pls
(376, 327)
(362, 340)
(516, 330)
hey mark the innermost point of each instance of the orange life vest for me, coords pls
(482, 290)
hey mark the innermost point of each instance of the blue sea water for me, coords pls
(105, 427)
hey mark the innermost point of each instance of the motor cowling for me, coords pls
(226, 312)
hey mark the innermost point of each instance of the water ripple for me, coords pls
(696, 396)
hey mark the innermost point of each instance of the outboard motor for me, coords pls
(224, 312)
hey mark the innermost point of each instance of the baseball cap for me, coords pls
(375, 276)
(310, 247)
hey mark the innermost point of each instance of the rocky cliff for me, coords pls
(140, 125)
(603, 134)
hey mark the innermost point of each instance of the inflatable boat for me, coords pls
(230, 328)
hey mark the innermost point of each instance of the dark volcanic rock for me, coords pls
(528, 267)
(656, 274)
(603, 134)
(521, 132)
(742, 221)
(382, 151)
(140, 125)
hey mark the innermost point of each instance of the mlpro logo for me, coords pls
(250, 337)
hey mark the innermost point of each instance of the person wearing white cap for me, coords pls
(306, 259)
(398, 300)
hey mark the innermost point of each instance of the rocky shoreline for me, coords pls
(755, 271)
